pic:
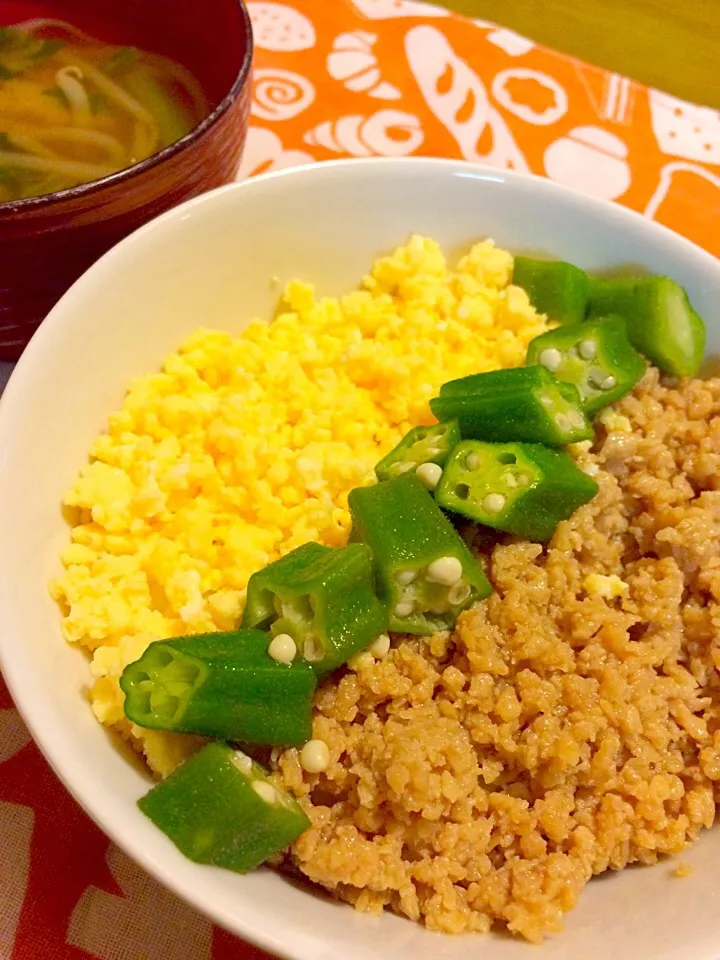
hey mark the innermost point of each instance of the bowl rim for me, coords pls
(39, 723)
(82, 190)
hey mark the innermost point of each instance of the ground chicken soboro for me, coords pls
(570, 725)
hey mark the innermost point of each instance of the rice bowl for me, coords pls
(500, 206)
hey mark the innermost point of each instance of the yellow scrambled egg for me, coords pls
(243, 448)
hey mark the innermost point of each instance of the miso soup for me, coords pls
(74, 109)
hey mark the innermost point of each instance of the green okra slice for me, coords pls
(219, 808)
(520, 488)
(425, 444)
(661, 322)
(596, 357)
(323, 598)
(425, 572)
(524, 403)
(557, 289)
(220, 685)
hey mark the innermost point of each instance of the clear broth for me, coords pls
(74, 109)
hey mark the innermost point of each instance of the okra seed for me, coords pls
(282, 648)
(546, 401)
(576, 419)
(406, 577)
(472, 462)
(361, 661)
(493, 502)
(459, 593)
(312, 650)
(523, 479)
(243, 762)
(551, 359)
(444, 570)
(596, 376)
(405, 467)
(429, 475)
(608, 383)
(404, 608)
(511, 480)
(562, 421)
(315, 756)
(266, 791)
(587, 349)
(380, 648)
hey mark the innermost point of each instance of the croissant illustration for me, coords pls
(387, 133)
(353, 62)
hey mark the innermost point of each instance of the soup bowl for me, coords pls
(209, 263)
(47, 242)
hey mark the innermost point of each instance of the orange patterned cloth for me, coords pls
(396, 78)
(354, 78)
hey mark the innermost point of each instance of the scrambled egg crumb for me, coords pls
(241, 448)
(608, 587)
(614, 422)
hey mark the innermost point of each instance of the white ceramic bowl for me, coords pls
(209, 263)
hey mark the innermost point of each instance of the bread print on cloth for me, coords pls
(387, 9)
(668, 204)
(344, 78)
(612, 96)
(511, 42)
(353, 62)
(264, 151)
(592, 160)
(388, 133)
(456, 96)
(280, 27)
(280, 94)
(551, 107)
(684, 130)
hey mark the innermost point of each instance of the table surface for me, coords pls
(669, 44)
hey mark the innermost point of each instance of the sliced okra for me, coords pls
(222, 685)
(421, 445)
(425, 572)
(557, 289)
(322, 598)
(520, 488)
(595, 357)
(220, 808)
(524, 403)
(661, 322)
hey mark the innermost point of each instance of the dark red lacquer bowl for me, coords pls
(46, 243)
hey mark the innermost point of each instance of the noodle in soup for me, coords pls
(74, 109)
